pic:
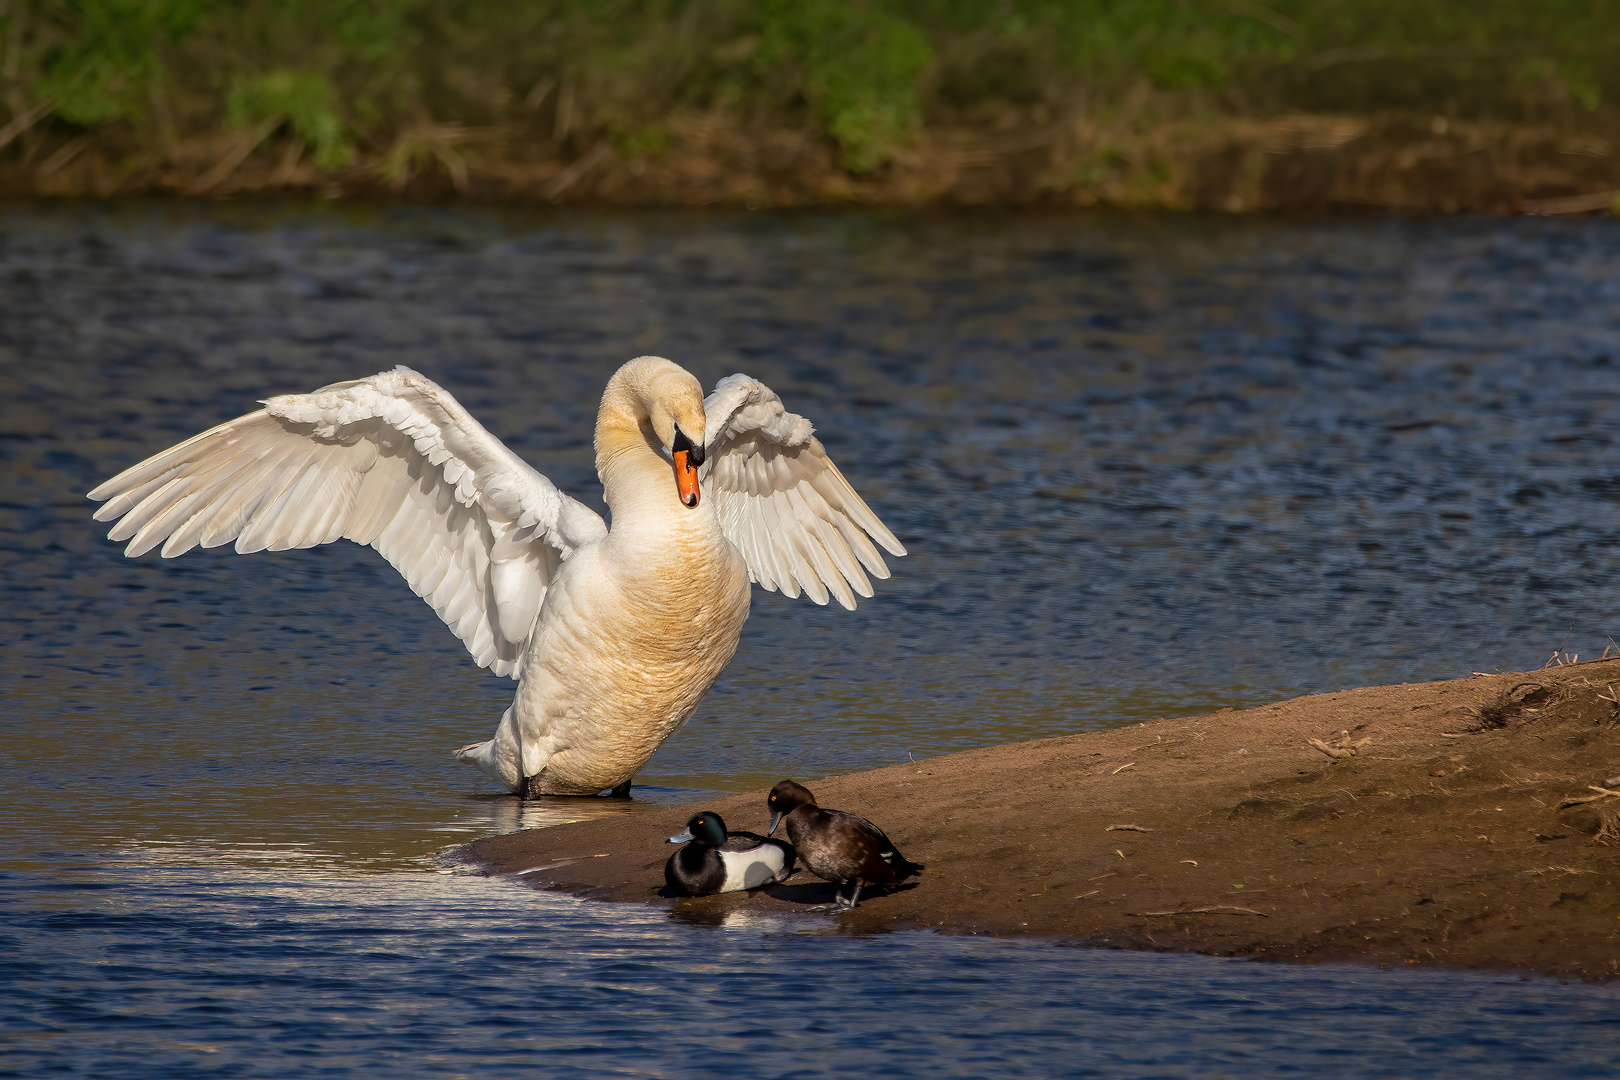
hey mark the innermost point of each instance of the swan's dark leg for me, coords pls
(854, 897)
(622, 791)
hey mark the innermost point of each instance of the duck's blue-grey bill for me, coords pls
(680, 838)
(776, 819)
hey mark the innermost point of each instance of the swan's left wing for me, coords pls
(783, 503)
(391, 461)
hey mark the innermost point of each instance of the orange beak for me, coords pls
(686, 478)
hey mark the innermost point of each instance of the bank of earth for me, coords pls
(1435, 824)
(1289, 163)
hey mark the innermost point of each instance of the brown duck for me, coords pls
(836, 846)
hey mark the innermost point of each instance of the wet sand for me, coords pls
(1441, 840)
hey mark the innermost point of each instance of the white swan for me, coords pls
(613, 636)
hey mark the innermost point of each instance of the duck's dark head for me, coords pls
(707, 829)
(785, 798)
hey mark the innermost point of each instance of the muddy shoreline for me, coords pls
(1286, 163)
(1441, 840)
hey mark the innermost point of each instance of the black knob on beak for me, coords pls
(694, 451)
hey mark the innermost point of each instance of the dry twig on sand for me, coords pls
(1602, 793)
(1218, 909)
(1341, 747)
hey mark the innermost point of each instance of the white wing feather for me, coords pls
(782, 501)
(392, 461)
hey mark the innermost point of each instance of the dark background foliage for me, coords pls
(345, 76)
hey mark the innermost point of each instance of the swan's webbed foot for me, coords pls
(620, 792)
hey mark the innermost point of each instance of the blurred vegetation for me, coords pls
(345, 76)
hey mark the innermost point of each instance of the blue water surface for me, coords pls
(1144, 467)
(185, 973)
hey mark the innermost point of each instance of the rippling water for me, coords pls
(1144, 467)
(227, 973)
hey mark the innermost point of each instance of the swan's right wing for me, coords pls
(392, 461)
(783, 503)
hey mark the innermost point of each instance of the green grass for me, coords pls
(565, 74)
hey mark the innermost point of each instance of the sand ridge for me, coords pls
(1427, 828)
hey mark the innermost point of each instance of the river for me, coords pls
(1144, 466)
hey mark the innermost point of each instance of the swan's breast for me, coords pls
(649, 629)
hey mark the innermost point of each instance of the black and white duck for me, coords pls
(836, 846)
(717, 861)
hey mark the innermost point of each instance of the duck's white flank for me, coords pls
(752, 869)
(613, 637)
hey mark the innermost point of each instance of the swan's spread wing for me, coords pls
(392, 461)
(782, 501)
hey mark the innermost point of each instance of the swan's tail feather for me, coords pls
(499, 757)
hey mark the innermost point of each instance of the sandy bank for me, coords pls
(1440, 841)
(1290, 163)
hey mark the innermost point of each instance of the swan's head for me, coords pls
(669, 400)
(675, 410)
